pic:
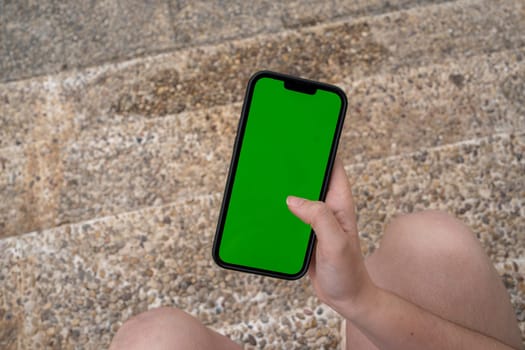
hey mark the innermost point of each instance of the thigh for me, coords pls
(436, 262)
(168, 329)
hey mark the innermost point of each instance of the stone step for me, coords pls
(65, 105)
(107, 169)
(74, 283)
(477, 180)
(45, 37)
(302, 328)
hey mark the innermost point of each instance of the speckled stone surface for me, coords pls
(66, 284)
(121, 137)
(112, 176)
(47, 37)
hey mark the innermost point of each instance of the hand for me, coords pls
(341, 280)
(337, 269)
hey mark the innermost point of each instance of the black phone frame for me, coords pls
(294, 83)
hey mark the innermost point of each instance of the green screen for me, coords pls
(285, 151)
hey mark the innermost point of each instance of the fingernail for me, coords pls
(294, 201)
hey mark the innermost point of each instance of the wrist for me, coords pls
(361, 304)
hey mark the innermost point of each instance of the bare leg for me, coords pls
(168, 329)
(436, 262)
(428, 258)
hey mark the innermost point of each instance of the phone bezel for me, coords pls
(297, 83)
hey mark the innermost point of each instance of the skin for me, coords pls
(409, 294)
(341, 279)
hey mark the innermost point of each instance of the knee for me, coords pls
(430, 237)
(165, 325)
(430, 230)
(436, 261)
(429, 246)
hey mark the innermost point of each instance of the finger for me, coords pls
(339, 197)
(320, 217)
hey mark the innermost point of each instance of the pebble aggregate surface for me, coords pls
(112, 175)
(85, 278)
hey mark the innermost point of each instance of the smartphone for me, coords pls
(285, 145)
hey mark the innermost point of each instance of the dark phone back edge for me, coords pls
(233, 167)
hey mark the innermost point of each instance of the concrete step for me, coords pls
(109, 168)
(64, 105)
(46, 37)
(302, 328)
(72, 285)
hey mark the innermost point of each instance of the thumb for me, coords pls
(319, 216)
